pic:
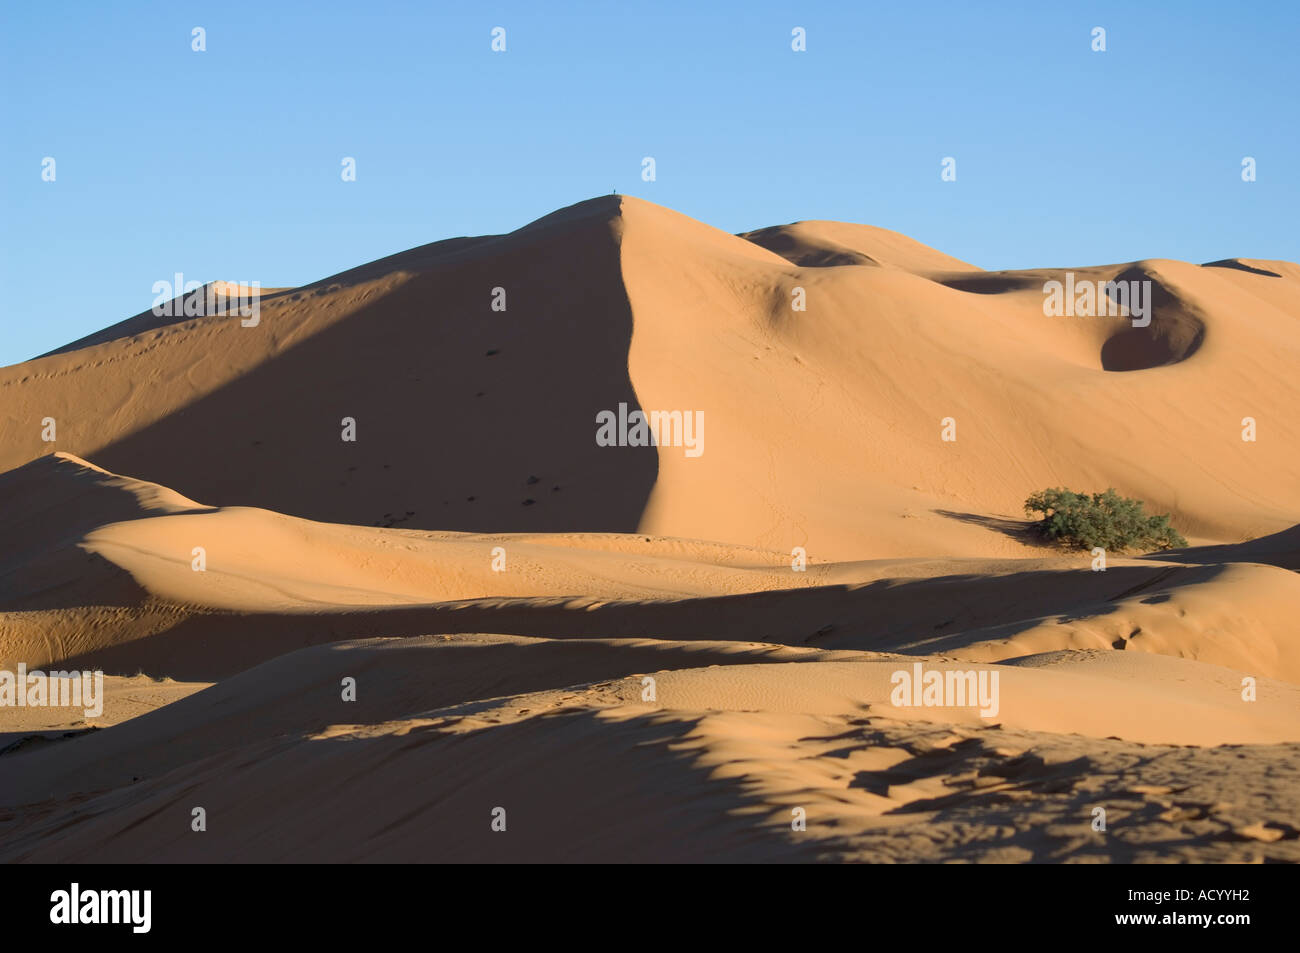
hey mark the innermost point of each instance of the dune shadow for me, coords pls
(1241, 266)
(68, 578)
(908, 616)
(1280, 549)
(1020, 530)
(465, 418)
(13, 742)
(401, 678)
(1175, 329)
(992, 284)
(569, 786)
(444, 252)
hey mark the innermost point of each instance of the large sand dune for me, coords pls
(822, 426)
(501, 586)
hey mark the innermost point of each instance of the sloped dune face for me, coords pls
(48, 506)
(474, 419)
(130, 596)
(464, 417)
(409, 544)
(1175, 337)
(857, 389)
(733, 744)
(825, 244)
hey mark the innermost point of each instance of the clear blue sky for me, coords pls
(225, 164)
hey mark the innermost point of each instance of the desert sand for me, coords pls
(617, 646)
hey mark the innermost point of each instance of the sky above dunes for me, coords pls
(225, 164)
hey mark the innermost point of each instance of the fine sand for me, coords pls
(377, 649)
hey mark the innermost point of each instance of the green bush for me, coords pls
(1113, 522)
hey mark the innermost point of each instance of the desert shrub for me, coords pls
(1113, 522)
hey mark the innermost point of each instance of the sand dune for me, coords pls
(501, 586)
(826, 244)
(616, 300)
(126, 596)
(714, 768)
